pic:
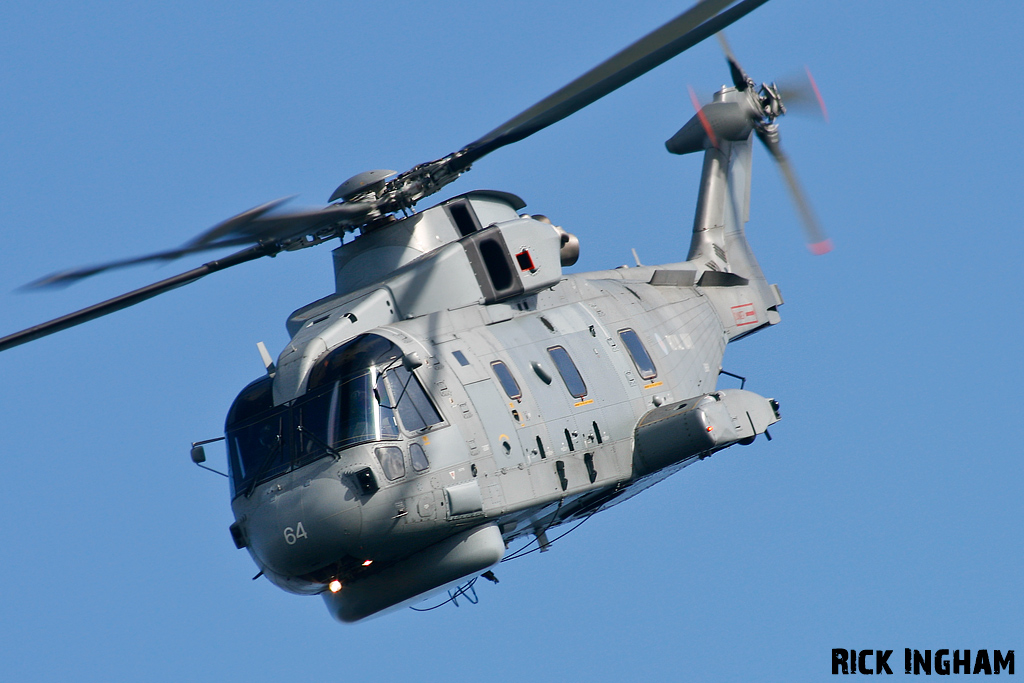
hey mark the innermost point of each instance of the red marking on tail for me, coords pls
(744, 314)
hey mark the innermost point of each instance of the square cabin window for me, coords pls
(391, 461)
(567, 369)
(637, 351)
(508, 382)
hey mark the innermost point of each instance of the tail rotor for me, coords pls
(735, 120)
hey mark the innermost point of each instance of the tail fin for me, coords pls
(719, 251)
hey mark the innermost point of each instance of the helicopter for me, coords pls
(458, 391)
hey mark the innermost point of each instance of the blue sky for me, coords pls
(886, 513)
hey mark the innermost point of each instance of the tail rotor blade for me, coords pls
(801, 93)
(817, 241)
(703, 118)
(739, 77)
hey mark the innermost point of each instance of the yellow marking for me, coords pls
(503, 437)
(583, 403)
(652, 385)
(426, 440)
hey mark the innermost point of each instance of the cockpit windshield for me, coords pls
(341, 408)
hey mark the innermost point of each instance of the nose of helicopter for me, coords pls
(296, 530)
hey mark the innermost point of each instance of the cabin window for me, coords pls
(567, 369)
(391, 461)
(637, 351)
(418, 457)
(508, 382)
(408, 399)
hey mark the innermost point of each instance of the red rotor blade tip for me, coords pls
(817, 93)
(822, 247)
(703, 119)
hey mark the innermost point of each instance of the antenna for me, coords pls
(268, 362)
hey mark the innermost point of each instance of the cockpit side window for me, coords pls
(414, 407)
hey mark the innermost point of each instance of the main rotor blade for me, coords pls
(232, 225)
(68, 277)
(689, 28)
(137, 296)
(245, 228)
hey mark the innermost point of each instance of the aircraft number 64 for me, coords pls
(291, 535)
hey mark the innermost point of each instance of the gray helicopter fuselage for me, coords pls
(508, 397)
(458, 390)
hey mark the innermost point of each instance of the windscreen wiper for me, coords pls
(302, 430)
(263, 467)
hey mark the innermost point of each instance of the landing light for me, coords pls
(334, 586)
(367, 563)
